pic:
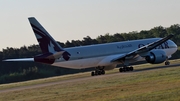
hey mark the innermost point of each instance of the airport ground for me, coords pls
(146, 83)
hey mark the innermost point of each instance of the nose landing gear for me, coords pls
(167, 63)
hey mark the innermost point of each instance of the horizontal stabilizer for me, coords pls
(22, 59)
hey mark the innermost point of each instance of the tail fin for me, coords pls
(50, 48)
(46, 42)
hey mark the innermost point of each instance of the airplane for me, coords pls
(101, 56)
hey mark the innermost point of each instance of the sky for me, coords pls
(75, 19)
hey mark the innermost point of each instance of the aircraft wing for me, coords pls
(22, 59)
(143, 49)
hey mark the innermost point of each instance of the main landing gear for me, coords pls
(126, 68)
(98, 71)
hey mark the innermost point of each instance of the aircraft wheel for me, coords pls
(99, 72)
(131, 68)
(127, 68)
(167, 63)
(124, 69)
(92, 73)
(120, 69)
(96, 72)
(103, 72)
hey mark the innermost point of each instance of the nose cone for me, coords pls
(172, 46)
(175, 45)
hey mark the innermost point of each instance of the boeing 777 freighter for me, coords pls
(101, 56)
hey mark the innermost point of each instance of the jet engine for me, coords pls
(156, 56)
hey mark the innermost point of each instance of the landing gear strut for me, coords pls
(98, 71)
(126, 68)
(167, 63)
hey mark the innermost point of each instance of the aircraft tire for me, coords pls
(120, 69)
(99, 72)
(124, 69)
(103, 72)
(131, 68)
(127, 68)
(167, 63)
(92, 73)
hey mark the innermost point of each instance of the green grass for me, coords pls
(178, 47)
(160, 84)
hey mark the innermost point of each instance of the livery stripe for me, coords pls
(45, 40)
(47, 44)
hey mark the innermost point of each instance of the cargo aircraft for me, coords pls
(101, 56)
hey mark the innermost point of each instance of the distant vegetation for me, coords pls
(21, 71)
(148, 83)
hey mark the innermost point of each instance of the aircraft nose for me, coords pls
(173, 45)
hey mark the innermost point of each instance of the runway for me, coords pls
(83, 79)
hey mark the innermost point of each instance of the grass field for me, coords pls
(147, 83)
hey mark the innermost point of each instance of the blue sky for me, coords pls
(75, 19)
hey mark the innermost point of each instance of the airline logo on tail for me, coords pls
(47, 44)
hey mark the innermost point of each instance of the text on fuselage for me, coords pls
(124, 46)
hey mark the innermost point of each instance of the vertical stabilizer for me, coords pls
(46, 42)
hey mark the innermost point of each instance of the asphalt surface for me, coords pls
(80, 79)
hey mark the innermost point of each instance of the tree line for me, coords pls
(21, 71)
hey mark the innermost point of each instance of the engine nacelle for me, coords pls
(109, 67)
(156, 56)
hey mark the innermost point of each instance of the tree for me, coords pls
(159, 31)
(68, 44)
(174, 29)
(118, 37)
(87, 40)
